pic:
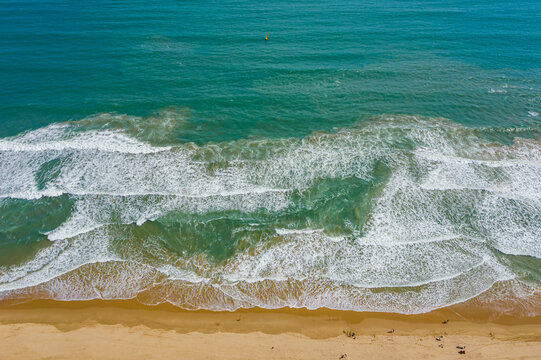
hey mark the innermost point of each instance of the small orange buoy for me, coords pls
(266, 38)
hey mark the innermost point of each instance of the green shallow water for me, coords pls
(380, 156)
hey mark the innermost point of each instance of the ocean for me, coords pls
(369, 156)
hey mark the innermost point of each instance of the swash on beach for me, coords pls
(369, 155)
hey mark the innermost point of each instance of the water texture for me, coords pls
(369, 156)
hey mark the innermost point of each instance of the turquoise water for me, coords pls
(370, 155)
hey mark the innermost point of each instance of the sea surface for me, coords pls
(370, 155)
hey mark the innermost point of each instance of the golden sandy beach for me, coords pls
(129, 330)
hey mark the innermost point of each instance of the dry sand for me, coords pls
(128, 330)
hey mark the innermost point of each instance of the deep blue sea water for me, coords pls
(370, 155)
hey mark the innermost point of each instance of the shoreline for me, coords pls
(127, 329)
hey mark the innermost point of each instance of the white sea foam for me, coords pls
(307, 270)
(449, 199)
(89, 211)
(297, 231)
(59, 258)
(59, 138)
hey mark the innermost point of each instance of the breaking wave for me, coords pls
(397, 213)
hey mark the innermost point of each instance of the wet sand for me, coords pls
(129, 330)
